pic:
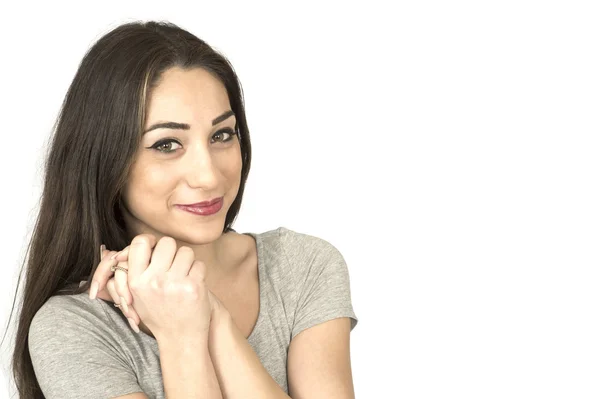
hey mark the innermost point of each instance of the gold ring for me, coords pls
(117, 306)
(116, 267)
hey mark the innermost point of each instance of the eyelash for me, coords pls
(159, 143)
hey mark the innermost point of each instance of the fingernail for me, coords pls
(133, 325)
(102, 248)
(124, 304)
(94, 290)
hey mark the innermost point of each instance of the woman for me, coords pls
(152, 126)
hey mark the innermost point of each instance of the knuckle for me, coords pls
(192, 291)
(185, 250)
(151, 237)
(156, 283)
(141, 239)
(106, 263)
(168, 242)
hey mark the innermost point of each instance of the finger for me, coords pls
(140, 252)
(104, 294)
(184, 258)
(122, 287)
(101, 276)
(123, 255)
(112, 291)
(104, 252)
(130, 313)
(197, 271)
(162, 256)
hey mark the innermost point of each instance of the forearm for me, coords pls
(239, 370)
(187, 369)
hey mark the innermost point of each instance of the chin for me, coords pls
(198, 235)
(195, 240)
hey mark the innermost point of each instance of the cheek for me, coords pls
(149, 180)
(234, 168)
(233, 164)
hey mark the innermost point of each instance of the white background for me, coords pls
(449, 150)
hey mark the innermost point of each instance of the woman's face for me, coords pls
(179, 166)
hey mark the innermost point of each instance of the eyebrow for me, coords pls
(185, 126)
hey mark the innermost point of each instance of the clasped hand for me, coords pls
(165, 284)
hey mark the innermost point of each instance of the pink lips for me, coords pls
(205, 208)
(205, 203)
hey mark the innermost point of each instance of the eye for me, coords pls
(165, 146)
(228, 131)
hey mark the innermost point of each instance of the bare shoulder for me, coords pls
(238, 259)
(247, 258)
(242, 247)
(249, 245)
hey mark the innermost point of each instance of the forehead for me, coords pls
(188, 96)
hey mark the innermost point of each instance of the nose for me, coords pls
(201, 169)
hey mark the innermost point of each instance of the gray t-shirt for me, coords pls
(82, 348)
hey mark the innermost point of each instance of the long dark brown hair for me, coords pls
(95, 139)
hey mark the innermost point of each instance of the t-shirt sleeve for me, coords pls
(73, 359)
(322, 281)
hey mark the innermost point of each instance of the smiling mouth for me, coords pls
(204, 203)
(203, 210)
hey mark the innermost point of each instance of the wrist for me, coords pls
(219, 315)
(220, 319)
(220, 323)
(185, 343)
